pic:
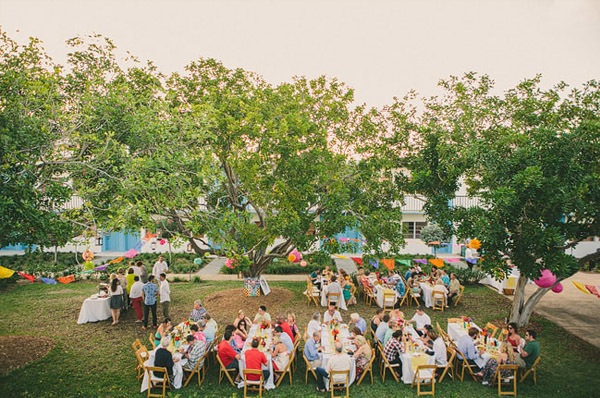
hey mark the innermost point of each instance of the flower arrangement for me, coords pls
(265, 325)
(466, 319)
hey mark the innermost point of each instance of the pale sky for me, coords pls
(380, 48)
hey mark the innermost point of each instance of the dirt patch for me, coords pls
(18, 351)
(225, 304)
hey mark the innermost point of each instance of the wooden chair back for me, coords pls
(223, 371)
(339, 385)
(532, 370)
(425, 375)
(368, 367)
(439, 300)
(253, 385)
(504, 381)
(157, 378)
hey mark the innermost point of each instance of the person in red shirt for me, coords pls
(282, 321)
(227, 354)
(254, 361)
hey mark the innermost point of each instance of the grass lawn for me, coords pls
(96, 359)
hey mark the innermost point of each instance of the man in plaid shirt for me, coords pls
(393, 349)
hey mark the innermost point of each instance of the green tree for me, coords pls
(529, 157)
(33, 179)
(433, 235)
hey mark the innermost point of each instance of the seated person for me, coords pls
(420, 319)
(357, 321)
(255, 359)
(315, 279)
(285, 326)
(242, 324)
(312, 349)
(211, 328)
(334, 287)
(340, 361)
(198, 311)
(439, 287)
(197, 331)
(262, 315)
(513, 337)
(453, 290)
(466, 345)
(347, 292)
(164, 359)
(194, 352)
(530, 352)
(314, 325)
(507, 356)
(445, 278)
(332, 315)
(228, 355)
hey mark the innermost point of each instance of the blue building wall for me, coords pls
(120, 241)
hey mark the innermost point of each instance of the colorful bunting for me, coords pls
(374, 263)
(438, 262)
(101, 267)
(5, 272)
(452, 260)
(26, 276)
(48, 281)
(357, 260)
(138, 246)
(405, 262)
(471, 260)
(420, 260)
(115, 261)
(581, 287)
(389, 263)
(66, 279)
(131, 253)
(593, 290)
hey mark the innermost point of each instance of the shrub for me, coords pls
(468, 276)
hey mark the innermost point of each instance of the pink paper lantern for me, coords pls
(229, 263)
(558, 288)
(162, 241)
(546, 279)
(303, 263)
(295, 256)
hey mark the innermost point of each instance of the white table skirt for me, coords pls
(407, 372)
(427, 294)
(328, 350)
(324, 299)
(269, 383)
(379, 295)
(94, 310)
(177, 372)
(456, 331)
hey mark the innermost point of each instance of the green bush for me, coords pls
(467, 276)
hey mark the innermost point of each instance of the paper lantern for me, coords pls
(162, 241)
(558, 288)
(206, 254)
(291, 258)
(303, 263)
(198, 261)
(230, 263)
(546, 279)
(295, 256)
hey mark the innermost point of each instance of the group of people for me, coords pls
(141, 291)
(337, 285)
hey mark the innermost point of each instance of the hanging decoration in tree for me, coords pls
(230, 263)
(294, 256)
(198, 261)
(546, 279)
(558, 288)
(303, 263)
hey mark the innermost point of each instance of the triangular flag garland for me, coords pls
(66, 279)
(405, 262)
(374, 263)
(452, 260)
(357, 260)
(131, 253)
(593, 290)
(420, 260)
(581, 287)
(5, 272)
(48, 281)
(26, 276)
(388, 262)
(438, 262)
(101, 267)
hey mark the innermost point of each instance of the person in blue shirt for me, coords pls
(445, 278)
(400, 288)
(358, 322)
(409, 273)
(312, 350)
(466, 345)
(149, 292)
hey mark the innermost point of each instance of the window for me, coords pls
(412, 230)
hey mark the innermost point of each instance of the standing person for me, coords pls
(255, 360)
(149, 292)
(164, 291)
(116, 300)
(143, 272)
(135, 268)
(136, 296)
(130, 281)
(530, 352)
(339, 361)
(123, 283)
(160, 267)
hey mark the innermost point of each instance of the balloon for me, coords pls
(558, 288)
(198, 261)
(546, 279)
(303, 263)
(291, 258)
(206, 254)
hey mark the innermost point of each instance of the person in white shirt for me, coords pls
(314, 325)
(439, 348)
(332, 314)
(334, 288)
(164, 292)
(160, 267)
(420, 319)
(135, 296)
(340, 361)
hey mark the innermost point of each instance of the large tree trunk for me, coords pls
(521, 310)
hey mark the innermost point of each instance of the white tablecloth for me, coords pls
(427, 294)
(177, 371)
(456, 331)
(94, 310)
(269, 383)
(509, 281)
(324, 299)
(378, 290)
(328, 349)
(407, 358)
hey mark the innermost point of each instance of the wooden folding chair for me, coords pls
(156, 381)
(510, 381)
(412, 296)
(459, 296)
(386, 365)
(439, 301)
(531, 370)
(137, 344)
(223, 371)
(339, 385)
(389, 299)
(368, 368)
(253, 385)
(449, 368)
(403, 299)
(424, 375)
(199, 370)
(141, 355)
(308, 368)
(492, 329)
(151, 339)
(333, 299)
(286, 371)
(312, 293)
(369, 295)
(462, 360)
